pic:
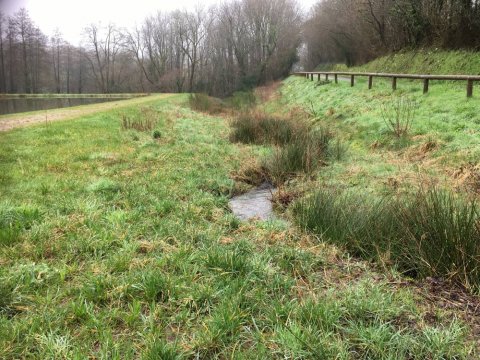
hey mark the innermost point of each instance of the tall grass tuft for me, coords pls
(299, 147)
(255, 127)
(431, 233)
(444, 235)
(302, 154)
(13, 220)
(145, 121)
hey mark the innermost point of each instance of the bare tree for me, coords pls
(104, 44)
(3, 82)
(23, 29)
(56, 43)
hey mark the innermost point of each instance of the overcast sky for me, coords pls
(71, 16)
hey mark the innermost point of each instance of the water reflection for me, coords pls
(18, 105)
(256, 203)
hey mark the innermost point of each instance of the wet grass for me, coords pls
(122, 248)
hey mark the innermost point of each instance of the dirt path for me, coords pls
(12, 121)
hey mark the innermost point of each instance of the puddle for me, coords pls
(254, 204)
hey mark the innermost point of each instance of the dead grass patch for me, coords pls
(268, 92)
(468, 177)
(283, 197)
(250, 172)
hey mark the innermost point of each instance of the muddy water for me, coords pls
(255, 204)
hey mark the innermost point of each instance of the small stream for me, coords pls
(255, 204)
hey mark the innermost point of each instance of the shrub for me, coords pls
(156, 134)
(204, 103)
(431, 233)
(399, 115)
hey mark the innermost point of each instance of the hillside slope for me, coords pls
(426, 61)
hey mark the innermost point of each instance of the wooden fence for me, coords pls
(426, 78)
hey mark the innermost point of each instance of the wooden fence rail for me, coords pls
(426, 78)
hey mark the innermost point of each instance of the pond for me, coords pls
(19, 105)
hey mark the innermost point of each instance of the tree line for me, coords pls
(356, 31)
(232, 46)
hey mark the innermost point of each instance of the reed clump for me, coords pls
(146, 120)
(433, 233)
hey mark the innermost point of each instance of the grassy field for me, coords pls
(118, 244)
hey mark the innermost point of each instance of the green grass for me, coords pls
(435, 144)
(443, 136)
(118, 245)
(426, 61)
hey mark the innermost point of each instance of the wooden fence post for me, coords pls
(425, 85)
(469, 88)
(470, 79)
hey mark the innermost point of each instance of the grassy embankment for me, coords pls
(116, 243)
(405, 196)
(428, 61)
(379, 197)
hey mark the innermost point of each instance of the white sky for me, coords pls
(72, 16)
